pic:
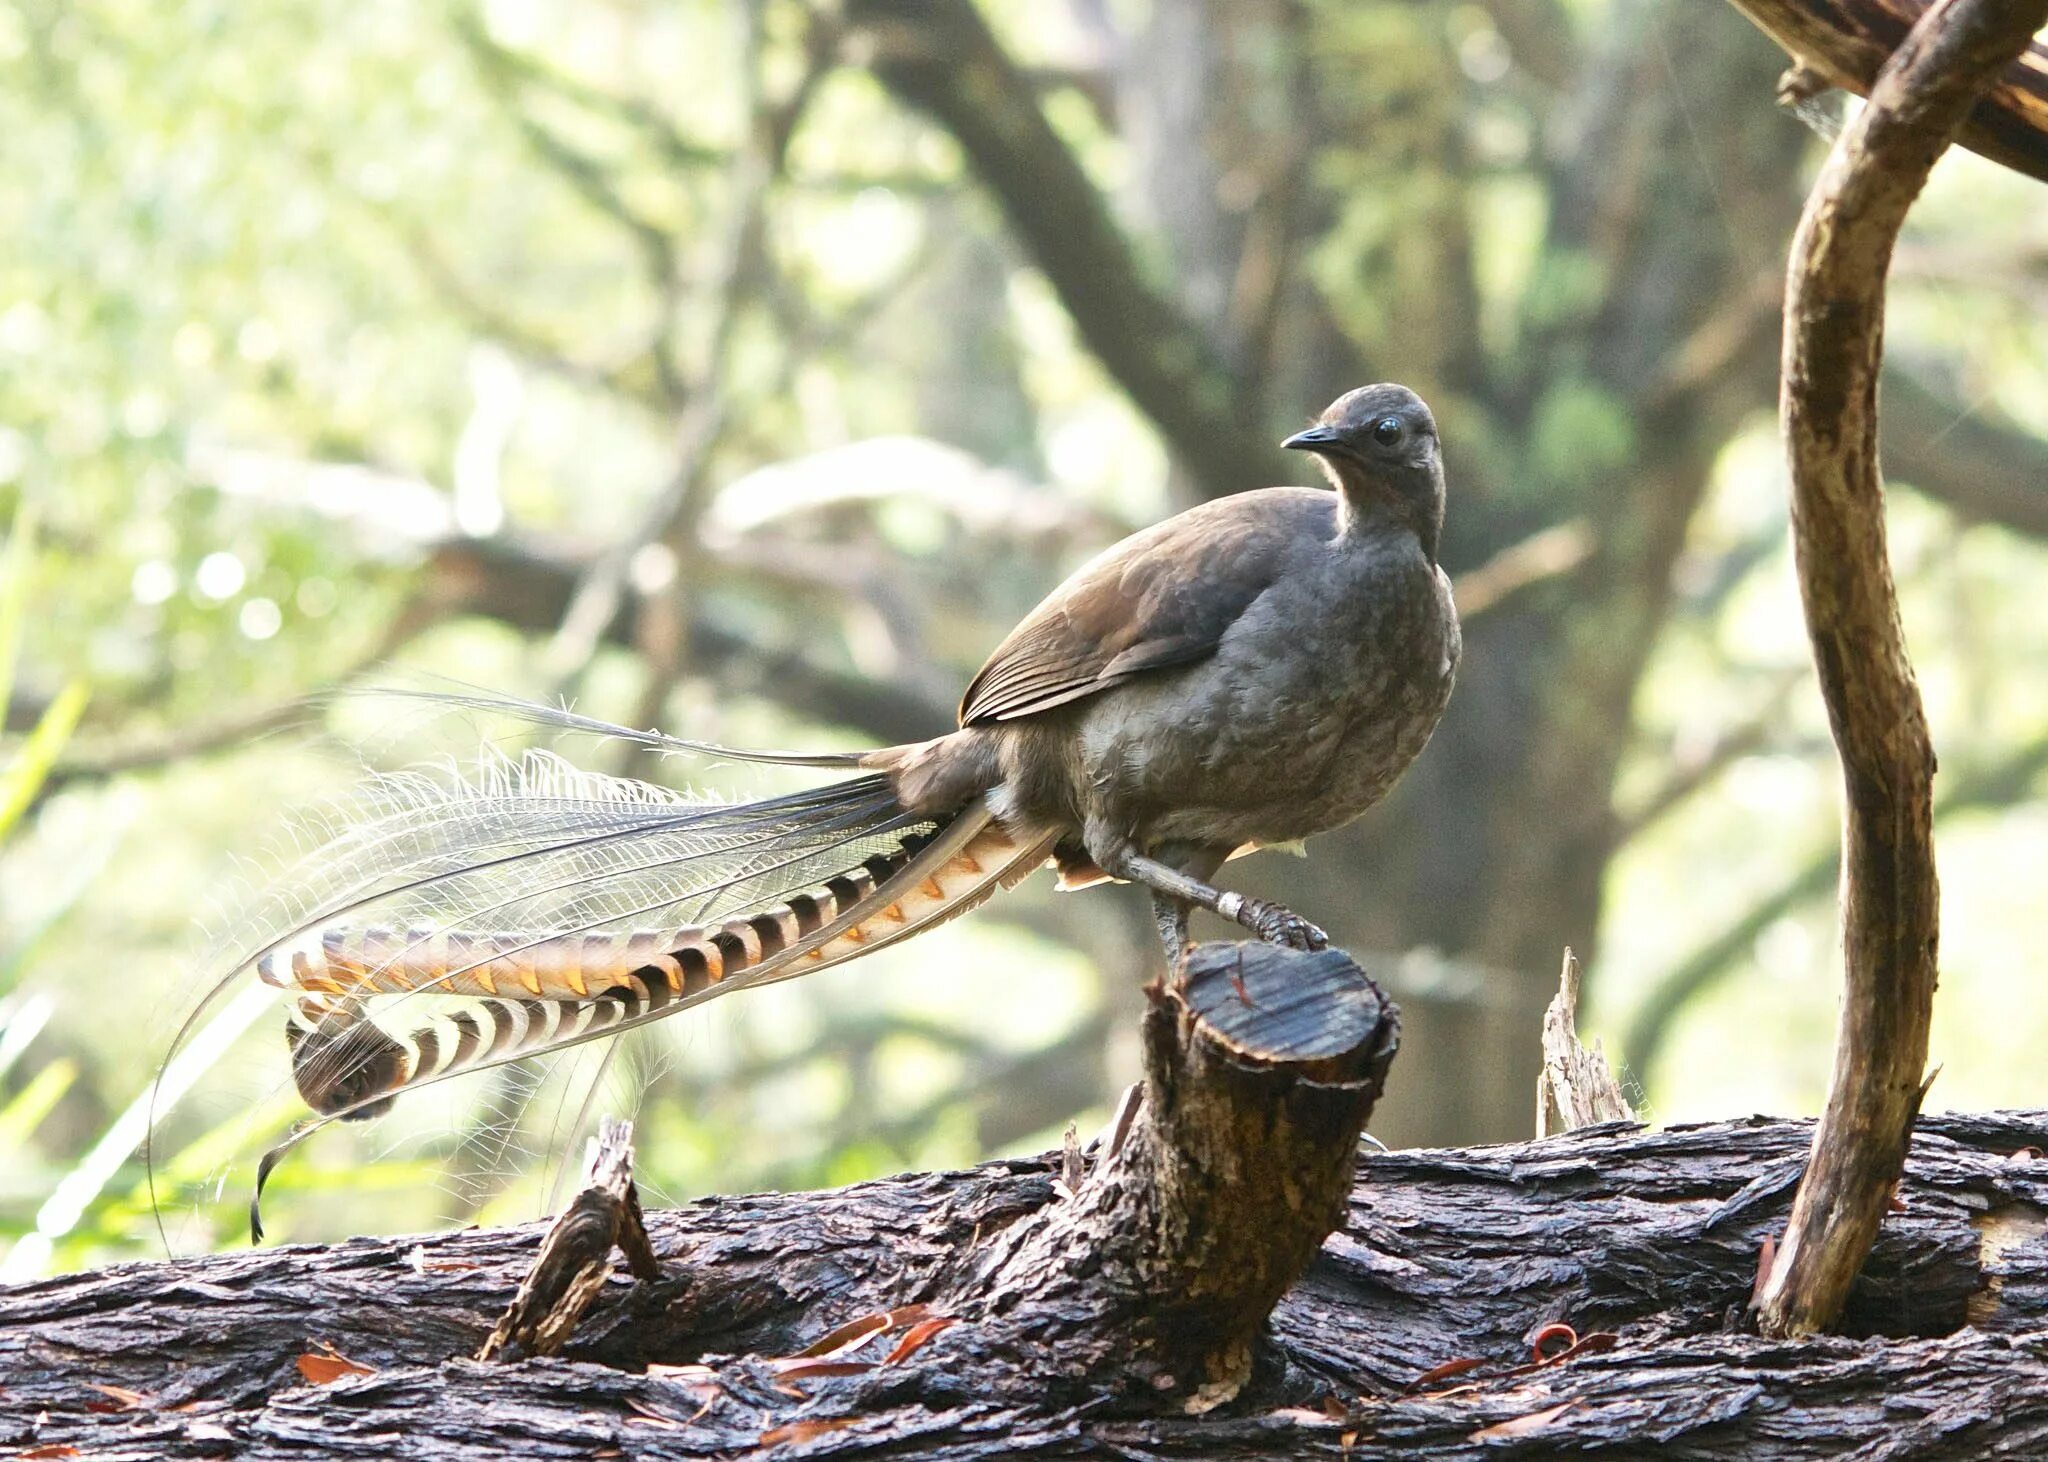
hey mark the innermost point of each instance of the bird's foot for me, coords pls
(1277, 924)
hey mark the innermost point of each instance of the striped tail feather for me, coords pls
(436, 923)
(540, 911)
(350, 1059)
(340, 960)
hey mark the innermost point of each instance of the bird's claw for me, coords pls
(1277, 924)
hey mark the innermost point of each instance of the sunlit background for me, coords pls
(748, 369)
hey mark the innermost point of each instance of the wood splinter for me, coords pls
(1576, 1088)
(575, 1258)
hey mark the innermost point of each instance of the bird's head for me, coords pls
(1379, 446)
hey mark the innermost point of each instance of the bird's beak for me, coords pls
(1317, 438)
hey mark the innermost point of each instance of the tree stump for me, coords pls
(1261, 1067)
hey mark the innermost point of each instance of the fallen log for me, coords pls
(1443, 1257)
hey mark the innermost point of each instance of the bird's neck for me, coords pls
(1369, 507)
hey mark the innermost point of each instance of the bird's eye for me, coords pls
(1387, 430)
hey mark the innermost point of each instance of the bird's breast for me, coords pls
(1315, 703)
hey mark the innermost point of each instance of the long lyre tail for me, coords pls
(348, 1063)
(435, 923)
(580, 986)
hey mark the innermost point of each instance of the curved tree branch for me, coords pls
(529, 588)
(1834, 330)
(672, 515)
(1846, 43)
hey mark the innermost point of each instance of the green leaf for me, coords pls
(25, 775)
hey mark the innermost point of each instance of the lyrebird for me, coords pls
(1250, 672)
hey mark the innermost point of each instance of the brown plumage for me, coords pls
(1161, 598)
(1255, 670)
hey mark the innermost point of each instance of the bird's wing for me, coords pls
(1160, 598)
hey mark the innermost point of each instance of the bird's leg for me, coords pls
(1172, 916)
(1272, 922)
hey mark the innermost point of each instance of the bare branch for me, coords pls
(672, 516)
(504, 72)
(1548, 554)
(92, 760)
(529, 587)
(1731, 744)
(1952, 452)
(1539, 36)
(667, 138)
(530, 343)
(1834, 331)
(1969, 462)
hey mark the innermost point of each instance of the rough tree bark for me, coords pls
(1450, 1256)
(1833, 349)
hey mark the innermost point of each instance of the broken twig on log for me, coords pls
(1576, 1089)
(576, 1257)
